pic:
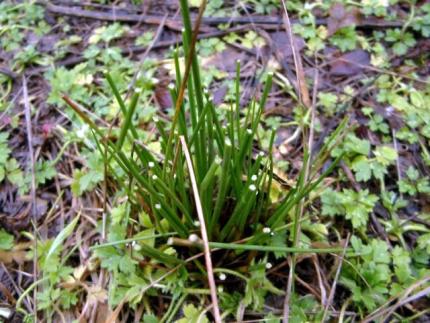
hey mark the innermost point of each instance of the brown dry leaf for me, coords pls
(281, 42)
(18, 254)
(341, 17)
(97, 294)
(302, 88)
(79, 272)
(225, 60)
(351, 63)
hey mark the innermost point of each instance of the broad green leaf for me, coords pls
(385, 155)
(362, 168)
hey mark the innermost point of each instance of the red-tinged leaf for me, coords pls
(47, 129)
(341, 17)
(350, 63)
(162, 95)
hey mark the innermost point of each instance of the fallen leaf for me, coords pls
(281, 42)
(225, 60)
(219, 95)
(351, 63)
(341, 17)
(162, 96)
(97, 294)
(18, 254)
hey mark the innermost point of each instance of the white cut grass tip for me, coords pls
(227, 142)
(196, 223)
(154, 177)
(151, 164)
(262, 154)
(193, 238)
(218, 160)
(254, 178)
(249, 131)
(170, 241)
(267, 230)
(158, 206)
(138, 90)
(222, 276)
(171, 86)
(252, 187)
(269, 265)
(155, 119)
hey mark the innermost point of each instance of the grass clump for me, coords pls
(234, 180)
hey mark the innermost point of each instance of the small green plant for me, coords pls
(376, 121)
(368, 275)
(357, 153)
(329, 102)
(375, 273)
(421, 22)
(250, 40)
(401, 40)
(345, 38)
(210, 47)
(9, 167)
(375, 7)
(355, 206)
(413, 183)
(264, 6)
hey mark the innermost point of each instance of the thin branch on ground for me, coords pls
(176, 24)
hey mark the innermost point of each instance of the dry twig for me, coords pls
(207, 251)
(336, 278)
(27, 108)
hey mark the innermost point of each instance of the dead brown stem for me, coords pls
(207, 250)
